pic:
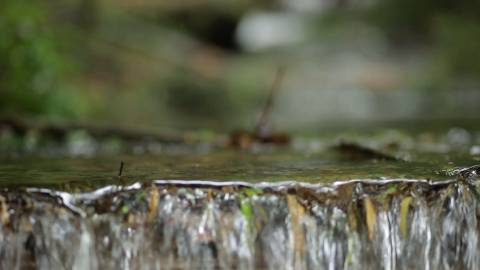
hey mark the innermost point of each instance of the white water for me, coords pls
(205, 227)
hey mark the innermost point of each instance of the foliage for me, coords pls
(450, 28)
(32, 66)
(415, 19)
(457, 41)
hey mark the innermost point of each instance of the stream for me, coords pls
(310, 206)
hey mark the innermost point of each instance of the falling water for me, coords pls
(358, 224)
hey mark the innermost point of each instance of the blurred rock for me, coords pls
(262, 30)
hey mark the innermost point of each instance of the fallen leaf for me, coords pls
(404, 207)
(297, 212)
(152, 212)
(371, 216)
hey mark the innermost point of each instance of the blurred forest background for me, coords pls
(208, 64)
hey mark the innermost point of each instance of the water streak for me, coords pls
(238, 225)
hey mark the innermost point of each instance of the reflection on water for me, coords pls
(212, 166)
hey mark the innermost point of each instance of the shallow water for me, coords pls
(220, 166)
(308, 206)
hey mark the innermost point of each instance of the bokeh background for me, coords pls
(208, 64)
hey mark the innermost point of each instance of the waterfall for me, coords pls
(358, 224)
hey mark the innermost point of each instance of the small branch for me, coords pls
(261, 126)
(120, 170)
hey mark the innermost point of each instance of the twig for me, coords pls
(120, 170)
(261, 126)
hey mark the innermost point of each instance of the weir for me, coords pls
(355, 224)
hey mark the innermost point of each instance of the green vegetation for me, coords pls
(180, 67)
(450, 28)
(33, 68)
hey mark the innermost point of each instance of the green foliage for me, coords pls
(457, 45)
(450, 28)
(415, 19)
(32, 67)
